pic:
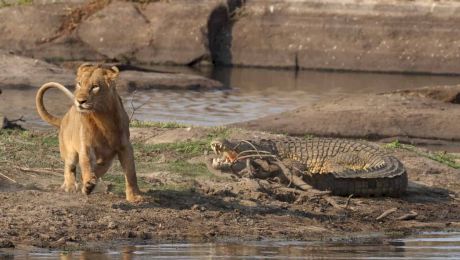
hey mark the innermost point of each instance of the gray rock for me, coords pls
(365, 35)
(402, 36)
(33, 30)
(180, 31)
(149, 80)
(18, 71)
(116, 31)
(23, 27)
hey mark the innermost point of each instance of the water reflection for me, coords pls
(251, 93)
(425, 246)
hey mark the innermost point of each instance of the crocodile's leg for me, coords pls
(293, 179)
(248, 171)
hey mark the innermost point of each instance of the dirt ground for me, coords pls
(187, 202)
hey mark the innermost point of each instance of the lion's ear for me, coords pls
(113, 73)
(82, 68)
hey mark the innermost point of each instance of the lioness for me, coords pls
(93, 131)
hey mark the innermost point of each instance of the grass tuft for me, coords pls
(145, 124)
(441, 157)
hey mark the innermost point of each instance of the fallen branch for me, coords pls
(10, 179)
(409, 216)
(37, 170)
(333, 203)
(386, 213)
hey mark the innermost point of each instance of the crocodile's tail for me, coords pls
(44, 114)
(387, 180)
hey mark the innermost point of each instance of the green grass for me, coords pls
(30, 149)
(184, 149)
(4, 3)
(441, 157)
(445, 158)
(144, 124)
(188, 169)
(41, 150)
(308, 136)
(393, 145)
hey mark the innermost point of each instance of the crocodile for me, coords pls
(340, 166)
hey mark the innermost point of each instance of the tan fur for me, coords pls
(93, 131)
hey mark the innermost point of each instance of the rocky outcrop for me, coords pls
(372, 116)
(400, 36)
(18, 71)
(403, 36)
(117, 31)
(38, 31)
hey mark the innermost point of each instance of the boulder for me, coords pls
(403, 36)
(154, 80)
(37, 31)
(18, 71)
(179, 31)
(117, 31)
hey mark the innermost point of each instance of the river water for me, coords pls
(250, 93)
(424, 246)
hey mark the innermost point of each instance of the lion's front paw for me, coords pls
(88, 186)
(68, 187)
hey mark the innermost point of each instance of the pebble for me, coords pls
(198, 207)
(112, 225)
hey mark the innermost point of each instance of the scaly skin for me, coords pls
(342, 166)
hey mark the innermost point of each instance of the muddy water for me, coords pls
(250, 93)
(424, 246)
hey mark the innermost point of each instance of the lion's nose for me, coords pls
(81, 101)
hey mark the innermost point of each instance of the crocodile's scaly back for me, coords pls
(343, 166)
(331, 155)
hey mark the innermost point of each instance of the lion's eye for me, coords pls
(95, 89)
(78, 85)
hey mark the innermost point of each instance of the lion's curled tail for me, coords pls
(44, 114)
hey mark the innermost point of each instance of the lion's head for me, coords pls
(95, 88)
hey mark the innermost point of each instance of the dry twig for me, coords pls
(8, 178)
(37, 170)
(348, 201)
(134, 109)
(386, 213)
(409, 216)
(333, 203)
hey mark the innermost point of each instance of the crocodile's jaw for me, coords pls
(227, 155)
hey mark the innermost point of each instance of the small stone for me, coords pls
(112, 225)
